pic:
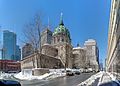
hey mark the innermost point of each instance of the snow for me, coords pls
(113, 78)
(54, 73)
(5, 75)
(57, 73)
(31, 77)
(75, 48)
(111, 75)
(91, 80)
(103, 78)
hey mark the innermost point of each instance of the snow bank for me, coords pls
(102, 76)
(57, 73)
(5, 75)
(30, 77)
(113, 77)
(54, 73)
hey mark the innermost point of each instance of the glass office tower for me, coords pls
(9, 45)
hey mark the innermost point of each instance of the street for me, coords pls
(65, 81)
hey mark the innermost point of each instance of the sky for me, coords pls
(85, 19)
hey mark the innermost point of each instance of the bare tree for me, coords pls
(32, 34)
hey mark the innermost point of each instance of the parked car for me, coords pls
(9, 83)
(63, 71)
(69, 73)
(77, 72)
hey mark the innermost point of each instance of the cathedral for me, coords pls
(57, 51)
(61, 42)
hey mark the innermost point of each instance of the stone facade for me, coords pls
(65, 54)
(49, 50)
(92, 54)
(62, 41)
(40, 61)
(46, 37)
(79, 57)
(113, 55)
(27, 50)
(41, 71)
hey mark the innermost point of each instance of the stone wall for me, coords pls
(37, 72)
(65, 53)
(49, 50)
(40, 61)
(79, 58)
(92, 54)
(46, 37)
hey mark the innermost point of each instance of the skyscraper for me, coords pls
(9, 44)
(18, 53)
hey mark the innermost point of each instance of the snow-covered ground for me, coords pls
(91, 80)
(102, 77)
(5, 75)
(54, 73)
(30, 77)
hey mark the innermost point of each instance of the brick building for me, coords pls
(10, 66)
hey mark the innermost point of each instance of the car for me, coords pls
(9, 83)
(77, 72)
(69, 73)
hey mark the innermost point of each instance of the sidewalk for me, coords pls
(98, 79)
(105, 78)
(108, 78)
(93, 80)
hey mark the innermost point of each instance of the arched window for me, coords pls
(62, 39)
(58, 39)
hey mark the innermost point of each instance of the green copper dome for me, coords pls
(61, 29)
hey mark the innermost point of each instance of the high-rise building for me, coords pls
(9, 44)
(46, 37)
(27, 50)
(18, 53)
(92, 54)
(113, 52)
(10, 50)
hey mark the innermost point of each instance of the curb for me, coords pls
(100, 80)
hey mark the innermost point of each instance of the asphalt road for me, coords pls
(64, 81)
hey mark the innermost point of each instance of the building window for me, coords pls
(62, 40)
(54, 39)
(58, 40)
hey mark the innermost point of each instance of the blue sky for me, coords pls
(84, 18)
